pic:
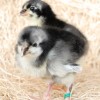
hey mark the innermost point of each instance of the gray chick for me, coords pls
(53, 52)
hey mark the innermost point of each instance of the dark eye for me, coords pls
(34, 44)
(33, 8)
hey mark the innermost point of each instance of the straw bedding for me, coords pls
(15, 85)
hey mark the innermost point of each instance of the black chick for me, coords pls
(41, 14)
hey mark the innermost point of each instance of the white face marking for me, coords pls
(35, 20)
(36, 51)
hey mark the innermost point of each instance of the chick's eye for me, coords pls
(33, 8)
(34, 44)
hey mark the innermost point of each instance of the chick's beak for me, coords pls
(22, 50)
(23, 12)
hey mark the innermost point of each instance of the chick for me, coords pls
(40, 14)
(53, 52)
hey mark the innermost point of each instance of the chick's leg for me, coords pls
(47, 94)
(68, 94)
(68, 80)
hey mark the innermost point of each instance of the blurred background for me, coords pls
(15, 85)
